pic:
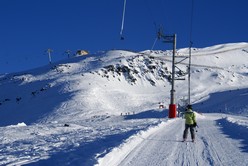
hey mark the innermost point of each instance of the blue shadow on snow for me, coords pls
(229, 102)
(157, 114)
(235, 131)
(85, 154)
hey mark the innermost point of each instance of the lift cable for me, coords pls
(190, 48)
(123, 19)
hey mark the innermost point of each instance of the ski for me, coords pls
(188, 141)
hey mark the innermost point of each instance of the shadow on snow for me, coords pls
(235, 131)
(87, 153)
(157, 114)
(229, 102)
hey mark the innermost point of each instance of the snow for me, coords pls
(103, 109)
(162, 145)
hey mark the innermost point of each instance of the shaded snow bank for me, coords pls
(241, 122)
(119, 153)
(236, 128)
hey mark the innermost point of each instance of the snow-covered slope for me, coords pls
(75, 111)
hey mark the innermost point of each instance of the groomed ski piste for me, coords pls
(220, 141)
(103, 109)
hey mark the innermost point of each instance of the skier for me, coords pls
(190, 123)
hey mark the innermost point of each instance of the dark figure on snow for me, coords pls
(190, 123)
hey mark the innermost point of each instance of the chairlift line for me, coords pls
(190, 49)
(123, 19)
(155, 41)
(158, 36)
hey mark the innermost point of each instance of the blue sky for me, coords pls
(30, 27)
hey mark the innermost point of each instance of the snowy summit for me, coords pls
(105, 109)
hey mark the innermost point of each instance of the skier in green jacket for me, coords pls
(190, 123)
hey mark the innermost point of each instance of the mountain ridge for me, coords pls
(147, 68)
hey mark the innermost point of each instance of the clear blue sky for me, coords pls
(29, 27)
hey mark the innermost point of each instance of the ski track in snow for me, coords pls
(164, 147)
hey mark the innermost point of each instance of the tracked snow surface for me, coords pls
(103, 109)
